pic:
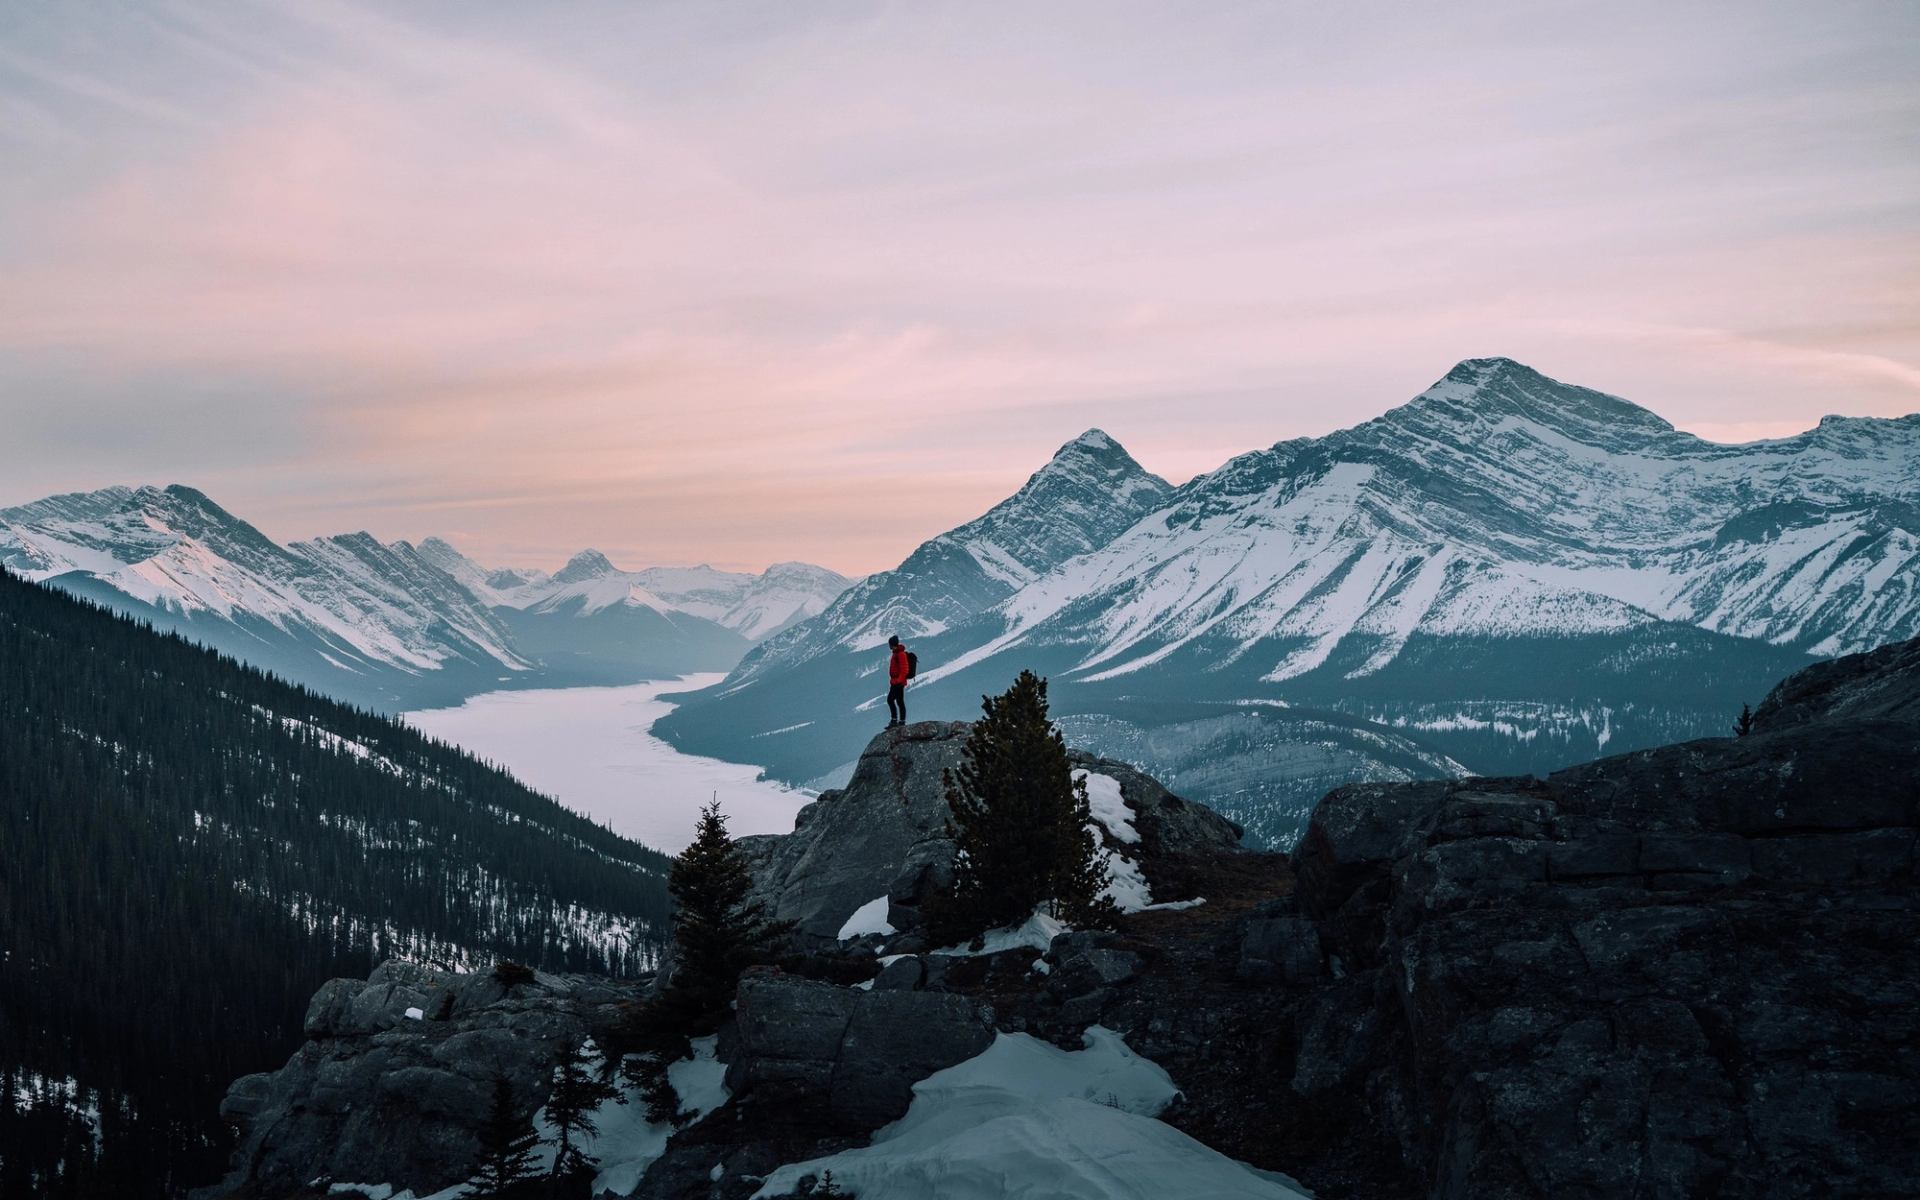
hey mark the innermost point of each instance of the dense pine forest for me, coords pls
(188, 847)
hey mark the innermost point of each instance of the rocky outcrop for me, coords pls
(397, 1076)
(848, 846)
(884, 833)
(1678, 972)
(1874, 684)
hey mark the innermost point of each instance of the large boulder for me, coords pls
(1676, 972)
(853, 1055)
(847, 846)
(397, 1077)
(883, 835)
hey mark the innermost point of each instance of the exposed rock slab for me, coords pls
(854, 1054)
(379, 1096)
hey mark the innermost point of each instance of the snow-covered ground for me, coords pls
(591, 749)
(1026, 1120)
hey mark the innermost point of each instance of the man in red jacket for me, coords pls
(897, 683)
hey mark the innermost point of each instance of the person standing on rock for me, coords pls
(899, 670)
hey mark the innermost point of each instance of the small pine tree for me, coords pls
(578, 1089)
(507, 1142)
(1022, 826)
(1744, 725)
(717, 933)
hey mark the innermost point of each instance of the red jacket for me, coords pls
(897, 666)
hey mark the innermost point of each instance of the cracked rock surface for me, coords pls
(1677, 972)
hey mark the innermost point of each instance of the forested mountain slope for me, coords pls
(188, 847)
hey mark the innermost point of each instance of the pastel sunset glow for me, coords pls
(748, 282)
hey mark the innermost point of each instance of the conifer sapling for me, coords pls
(717, 933)
(507, 1142)
(1022, 825)
(578, 1090)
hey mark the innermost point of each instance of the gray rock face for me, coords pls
(378, 1096)
(1867, 685)
(883, 834)
(855, 1054)
(1280, 948)
(848, 846)
(1677, 972)
(1090, 970)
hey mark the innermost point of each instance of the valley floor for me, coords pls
(591, 748)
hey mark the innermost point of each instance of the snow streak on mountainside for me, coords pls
(1508, 571)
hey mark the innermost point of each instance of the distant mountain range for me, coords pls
(395, 626)
(1506, 574)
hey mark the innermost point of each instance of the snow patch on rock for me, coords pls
(1025, 1120)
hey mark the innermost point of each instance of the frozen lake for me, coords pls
(590, 748)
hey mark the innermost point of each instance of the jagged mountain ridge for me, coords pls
(1500, 502)
(393, 625)
(349, 614)
(1509, 571)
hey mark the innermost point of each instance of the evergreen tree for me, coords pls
(507, 1142)
(1744, 725)
(578, 1089)
(507, 1149)
(717, 933)
(1022, 825)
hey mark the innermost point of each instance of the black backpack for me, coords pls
(913, 664)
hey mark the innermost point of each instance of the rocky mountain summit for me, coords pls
(1675, 972)
(887, 828)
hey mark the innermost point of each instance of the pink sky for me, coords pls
(745, 283)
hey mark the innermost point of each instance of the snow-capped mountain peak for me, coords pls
(1491, 393)
(588, 564)
(1089, 492)
(1499, 502)
(750, 605)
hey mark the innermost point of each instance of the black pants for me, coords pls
(897, 702)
